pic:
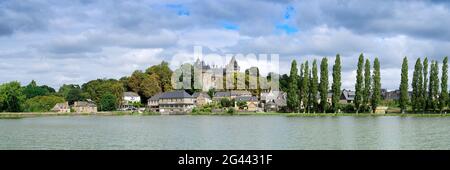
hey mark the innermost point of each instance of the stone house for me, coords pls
(201, 98)
(273, 100)
(84, 107)
(153, 103)
(61, 108)
(251, 102)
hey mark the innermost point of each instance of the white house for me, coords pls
(129, 98)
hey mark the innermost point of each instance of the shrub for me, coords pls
(42, 103)
(108, 102)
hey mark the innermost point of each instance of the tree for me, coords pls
(323, 84)
(33, 90)
(404, 86)
(376, 95)
(164, 73)
(443, 97)
(292, 95)
(284, 82)
(433, 87)
(425, 83)
(108, 102)
(42, 103)
(336, 86)
(135, 81)
(11, 97)
(359, 84)
(367, 86)
(211, 92)
(95, 89)
(417, 87)
(305, 88)
(149, 86)
(74, 95)
(313, 90)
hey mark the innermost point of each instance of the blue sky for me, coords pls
(57, 42)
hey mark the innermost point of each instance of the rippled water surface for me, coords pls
(224, 132)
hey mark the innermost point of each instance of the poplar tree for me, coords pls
(292, 96)
(314, 86)
(367, 84)
(404, 85)
(323, 84)
(301, 87)
(336, 86)
(425, 83)
(305, 85)
(359, 84)
(417, 87)
(376, 95)
(443, 97)
(433, 86)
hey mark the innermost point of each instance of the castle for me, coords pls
(212, 77)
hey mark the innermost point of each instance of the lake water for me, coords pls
(224, 132)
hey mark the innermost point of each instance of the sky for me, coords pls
(71, 42)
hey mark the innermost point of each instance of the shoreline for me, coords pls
(19, 115)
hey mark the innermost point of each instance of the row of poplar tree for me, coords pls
(307, 94)
(426, 95)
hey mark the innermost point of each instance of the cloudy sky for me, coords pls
(56, 42)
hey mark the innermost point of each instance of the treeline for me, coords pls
(106, 93)
(428, 94)
(308, 93)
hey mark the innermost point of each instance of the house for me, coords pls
(347, 96)
(201, 98)
(153, 103)
(84, 107)
(239, 93)
(221, 94)
(61, 108)
(251, 102)
(175, 102)
(273, 100)
(129, 98)
(393, 95)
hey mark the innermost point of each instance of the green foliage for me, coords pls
(74, 95)
(284, 82)
(323, 86)
(241, 104)
(231, 111)
(443, 97)
(225, 102)
(11, 97)
(150, 86)
(404, 86)
(304, 92)
(211, 92)
(417, 100)
(95, 89)
(164, 73)
(425, 83)
(33, 90)
(336, 85)
(108, 102)
(376, 95)
(433, 87)
(367, 86)
(359, 84)
(292, 95)
(314, 88)
(42, 103)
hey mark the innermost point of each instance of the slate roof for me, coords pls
(348, 95)
(155, 97)
(131, 94)
(196, 94)
(246, 98)
(84, 104)
(178, 94)
(222, 94)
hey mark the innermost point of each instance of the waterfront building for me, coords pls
(175, 102)
(201, 98)
(84, 107)
(61, 108)
(129, 98)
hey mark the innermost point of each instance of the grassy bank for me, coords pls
(364, 115)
